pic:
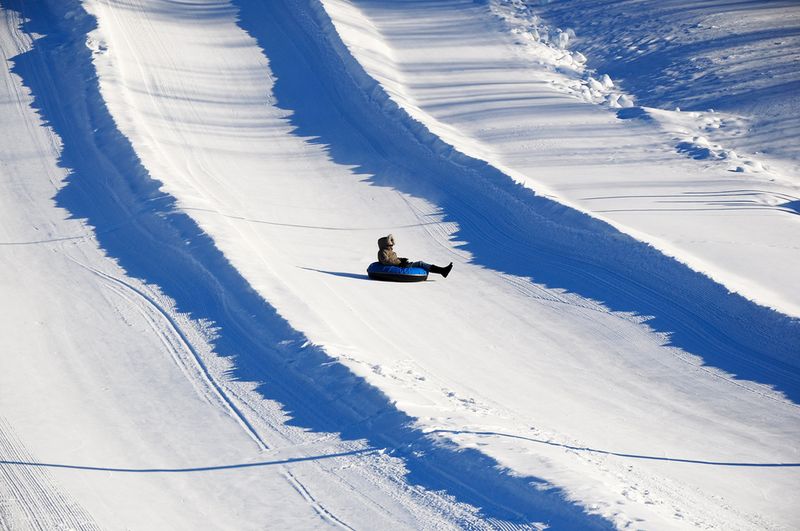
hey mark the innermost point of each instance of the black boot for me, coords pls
(444, 271)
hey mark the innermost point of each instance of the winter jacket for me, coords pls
(386, 255)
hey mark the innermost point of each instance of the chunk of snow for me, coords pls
(625, 101)
(594, 84)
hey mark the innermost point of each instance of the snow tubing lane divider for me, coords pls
(379, 271)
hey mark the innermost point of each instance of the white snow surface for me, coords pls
(191, 192)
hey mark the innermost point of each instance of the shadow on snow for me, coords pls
(209, 468)
(620, 454)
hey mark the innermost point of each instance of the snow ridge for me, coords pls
(550, 46)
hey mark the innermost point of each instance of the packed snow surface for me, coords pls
(191, 194)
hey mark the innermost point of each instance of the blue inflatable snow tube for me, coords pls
(379, 271)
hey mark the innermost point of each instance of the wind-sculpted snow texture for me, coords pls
(731, 56)
(236, 163)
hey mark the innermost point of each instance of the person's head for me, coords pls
(387, 242)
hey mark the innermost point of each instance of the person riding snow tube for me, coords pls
(390, 267)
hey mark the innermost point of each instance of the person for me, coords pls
(387, 256)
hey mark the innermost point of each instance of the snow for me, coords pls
(732, 57)
(109, 419)
(192, 191)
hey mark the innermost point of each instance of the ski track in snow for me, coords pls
(201, 371)
(29, 497)
(289, 392)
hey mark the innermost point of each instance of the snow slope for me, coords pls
(234, 165)
(489, 92)
(115, 411)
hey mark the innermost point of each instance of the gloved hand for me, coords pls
(404, 262)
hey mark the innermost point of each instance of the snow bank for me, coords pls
(735, 58)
